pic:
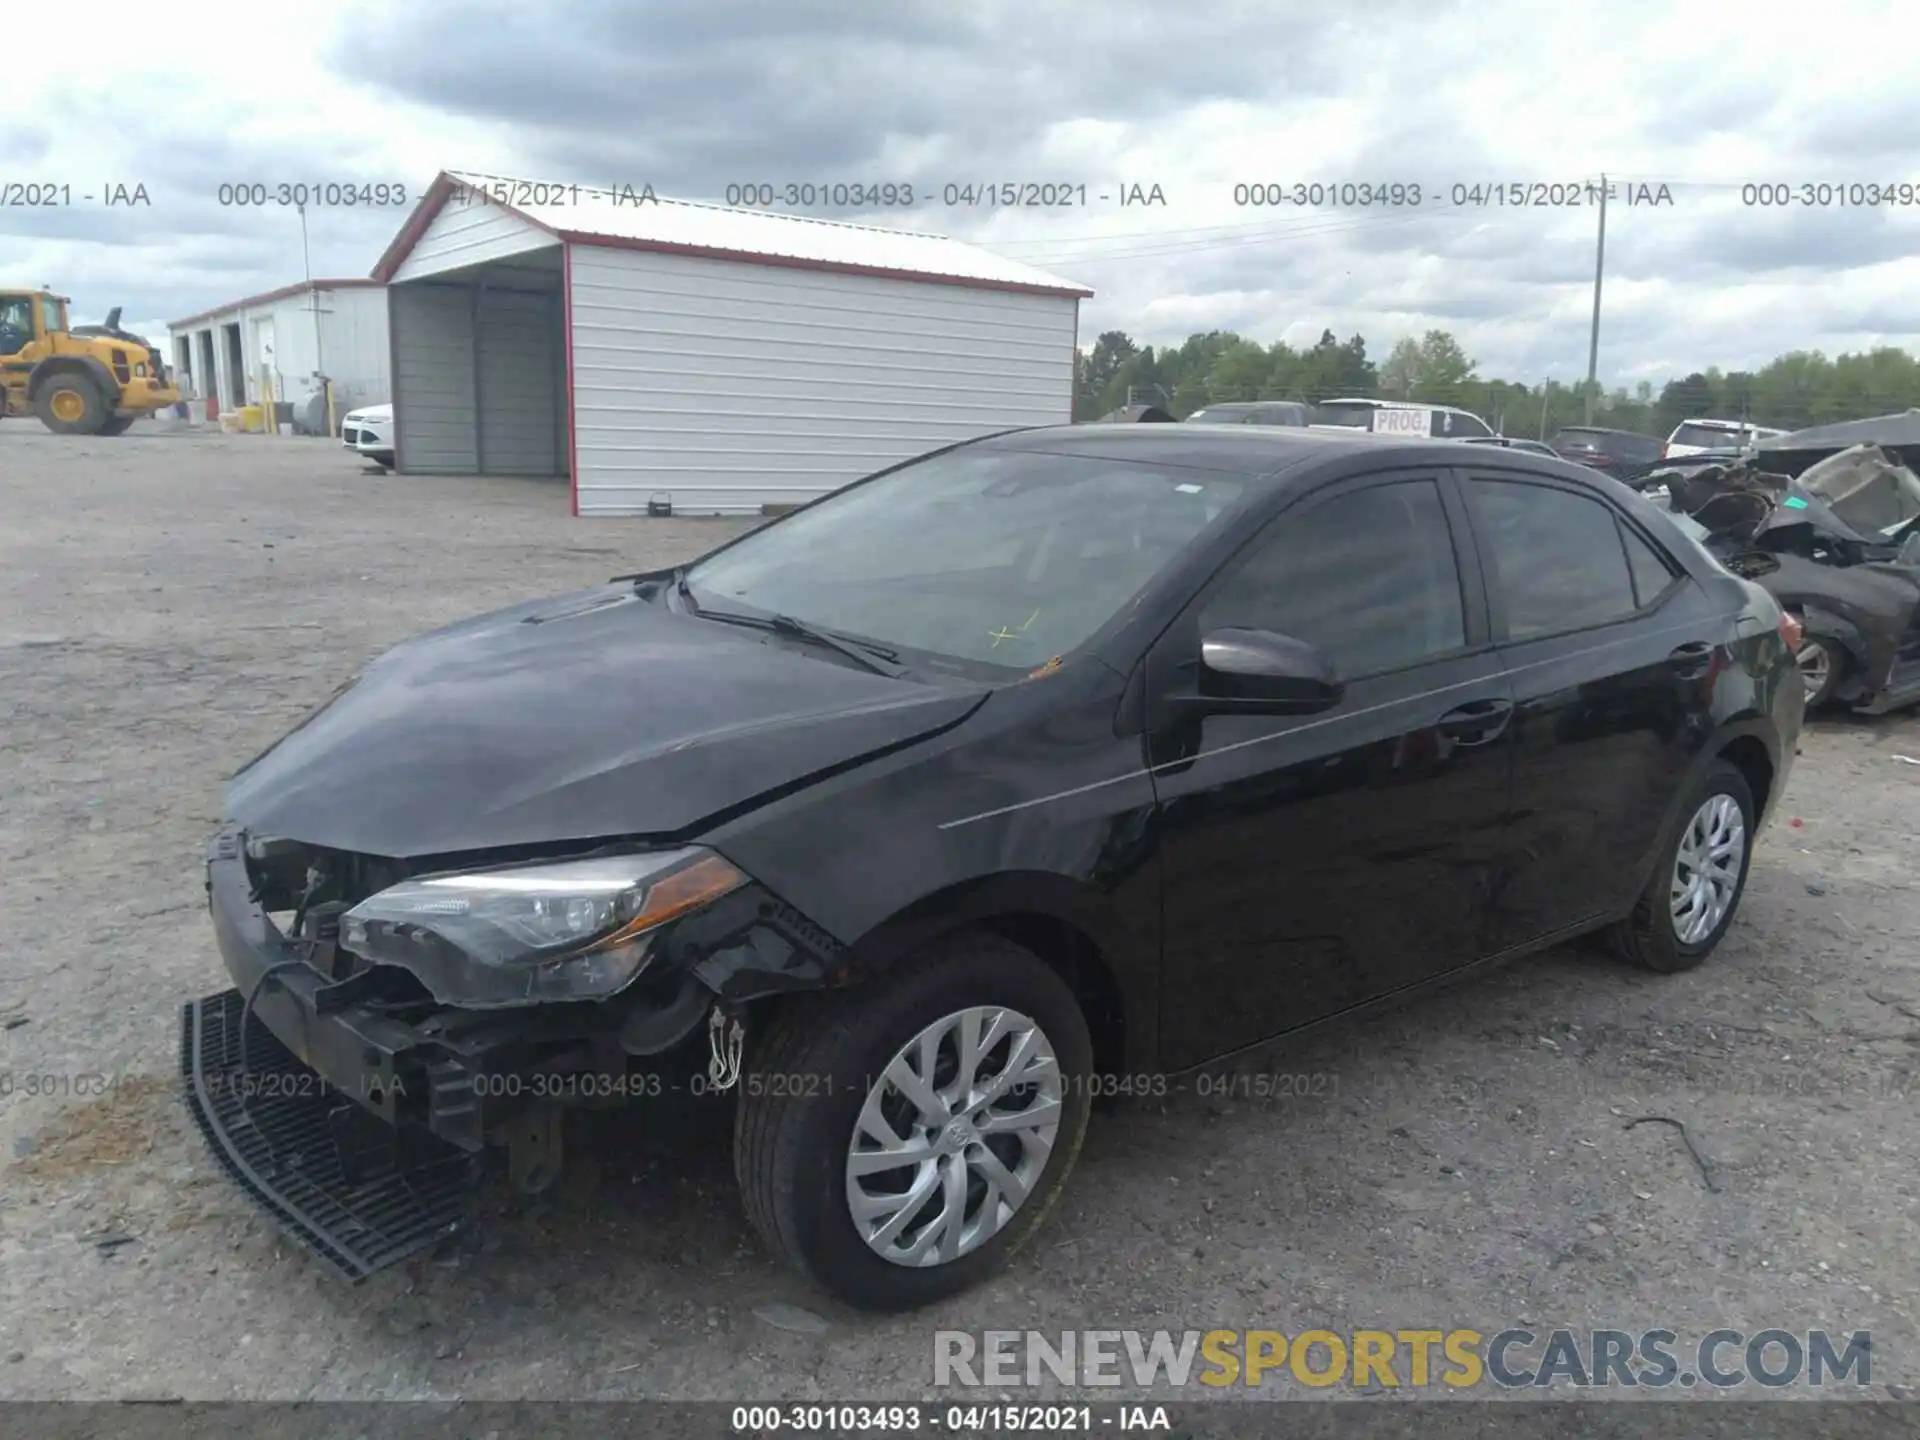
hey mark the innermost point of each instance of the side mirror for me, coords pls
(1260, 672)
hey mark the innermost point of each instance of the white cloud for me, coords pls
(1697, 96)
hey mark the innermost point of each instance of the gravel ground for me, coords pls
(171, 601)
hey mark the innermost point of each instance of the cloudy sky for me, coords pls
(1195, 100)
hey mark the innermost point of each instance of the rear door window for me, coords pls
(1555, 557)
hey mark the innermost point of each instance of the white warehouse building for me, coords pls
(290, 338)
(670, 357)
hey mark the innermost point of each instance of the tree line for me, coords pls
(1801, 388)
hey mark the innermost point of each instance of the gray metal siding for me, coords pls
(732, 386)
(468, 234)
(519, 336)
(433, 382)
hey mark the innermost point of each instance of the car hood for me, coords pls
(372, 414)
(590, 715)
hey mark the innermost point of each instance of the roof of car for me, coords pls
(1398, 404)
(1243, 449)
(1707, 424)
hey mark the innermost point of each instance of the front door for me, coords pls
(1313, 862)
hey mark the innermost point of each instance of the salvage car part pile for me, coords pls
(1838, 546)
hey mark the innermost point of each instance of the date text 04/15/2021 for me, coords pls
(538, 193)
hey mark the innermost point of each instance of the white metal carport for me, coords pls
(699, 358)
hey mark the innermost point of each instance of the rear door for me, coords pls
(1312, 862)
(1612, 651)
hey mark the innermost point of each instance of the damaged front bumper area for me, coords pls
(357, 1109)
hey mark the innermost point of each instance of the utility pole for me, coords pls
(1599, 268)
(1545, 391)
(313, 304)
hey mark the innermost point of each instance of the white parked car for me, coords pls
(369, 432)
(1701, 437)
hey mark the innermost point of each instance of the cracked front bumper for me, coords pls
(354, 1193)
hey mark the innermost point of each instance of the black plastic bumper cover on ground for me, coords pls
(358, 1201)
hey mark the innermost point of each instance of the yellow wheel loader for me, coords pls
(88, 380)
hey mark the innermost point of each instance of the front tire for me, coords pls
(72, 405)
(117, 425)
(1695, 889)
(899, 1142)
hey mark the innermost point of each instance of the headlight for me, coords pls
(577, 930)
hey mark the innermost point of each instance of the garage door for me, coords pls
(519, 393)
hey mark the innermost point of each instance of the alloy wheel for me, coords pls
(1816, 667)
(953, 1136)
(1707, 868)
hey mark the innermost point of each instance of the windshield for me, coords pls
(1866, 489)
(1709, 437)
(1218, 415)
(1577, 439)
(1001, 558)
(1354, 417)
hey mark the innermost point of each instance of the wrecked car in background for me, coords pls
(1838, 546)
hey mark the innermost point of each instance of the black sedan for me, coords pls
(1060, 763)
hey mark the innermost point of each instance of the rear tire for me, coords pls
(1823, 665)
(1696, 887)
(819, 1106)
(72, 405)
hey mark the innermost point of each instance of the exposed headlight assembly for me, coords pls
(518, 935)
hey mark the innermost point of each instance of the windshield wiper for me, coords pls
(877, 658)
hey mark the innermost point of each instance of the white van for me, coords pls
(1402, 417)
(1702, 437)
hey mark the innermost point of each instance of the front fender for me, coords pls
(1013, 900)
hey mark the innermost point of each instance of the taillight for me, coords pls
(1791, 630)
(1665, 451)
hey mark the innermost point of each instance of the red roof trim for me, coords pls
(839, 267)
(283, 293)
(416, 226)
(444, 185)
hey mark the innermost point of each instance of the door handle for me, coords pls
(1478, 722)
(1691, 660)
